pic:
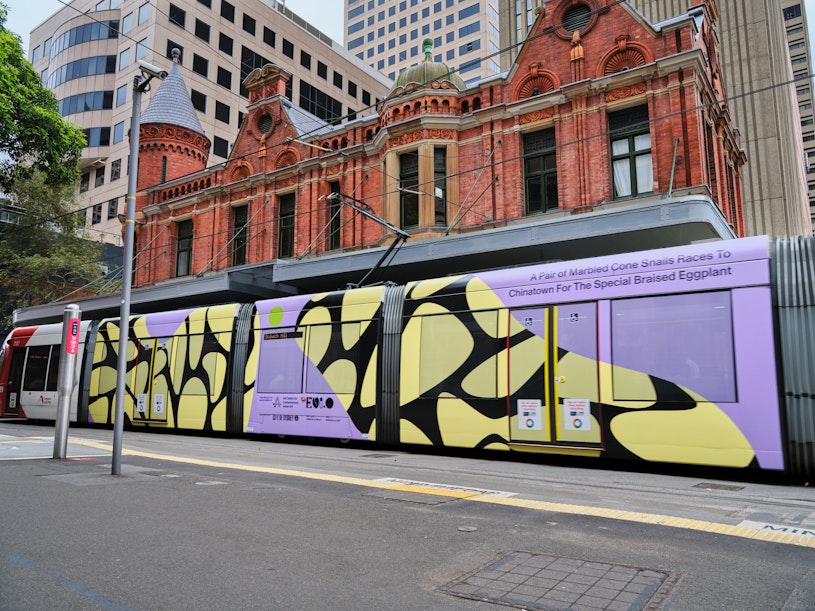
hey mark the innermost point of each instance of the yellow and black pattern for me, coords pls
(180, 369)
(342, 330)
(460, 400)
(666, 423)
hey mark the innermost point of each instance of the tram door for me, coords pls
(15, 382)
(553, 376)
(150, 380)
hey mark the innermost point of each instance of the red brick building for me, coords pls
(601, 110)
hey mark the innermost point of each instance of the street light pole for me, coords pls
(140, 85)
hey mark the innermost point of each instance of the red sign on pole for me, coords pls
(72, 336)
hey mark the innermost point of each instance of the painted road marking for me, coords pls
(471, 494)
(73, 586)
(793, 530)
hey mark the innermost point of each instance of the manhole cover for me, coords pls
(554, 583)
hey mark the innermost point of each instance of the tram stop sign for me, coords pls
(72, 336)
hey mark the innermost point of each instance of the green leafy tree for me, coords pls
(33, 135)
(44, 256)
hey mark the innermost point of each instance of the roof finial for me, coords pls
(428, 49)
(176, 55)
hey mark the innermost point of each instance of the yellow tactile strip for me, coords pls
(730, 530)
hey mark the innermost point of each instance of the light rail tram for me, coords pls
(701, 354)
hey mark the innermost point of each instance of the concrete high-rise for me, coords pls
(87, 52)
(474, 38)
(758, 80)
(795, 23)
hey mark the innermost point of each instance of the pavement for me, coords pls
(244, 523)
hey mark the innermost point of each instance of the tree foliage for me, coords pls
(33, 135)
(46, 256)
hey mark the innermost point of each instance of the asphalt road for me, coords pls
(234, 523)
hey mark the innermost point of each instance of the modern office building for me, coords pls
(795, 22)
(758, 81)
(479, 38)
(87, 53)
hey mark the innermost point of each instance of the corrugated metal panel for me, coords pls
(241, 346)
(794, 273)
(387, 417)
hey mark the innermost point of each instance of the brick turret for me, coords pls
(171, 140)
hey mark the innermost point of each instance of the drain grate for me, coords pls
(555, 583)
(711, 486)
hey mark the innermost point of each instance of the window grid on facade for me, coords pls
(200, 65)
(222, 112)
(269, 37)
(631, 162)
(220, 147)
(540, 171)
(199, 100)
(202, 30)
(440, 185)
(334, 218)
(240, 216)
(115, 170)
(285, 233)
(177, 16)
(225, 43)
(224, 78)
(183, 259)
(227, 11)
(249, 24)
(319, 103)
(408, 192)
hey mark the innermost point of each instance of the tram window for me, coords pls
(686, 340)
(16, 369)
(457, 356)
(53, 369)
(335, 350)
(280, 365)
(36, 368)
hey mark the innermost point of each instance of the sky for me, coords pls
(325, 15)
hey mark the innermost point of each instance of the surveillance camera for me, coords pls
(151, 70)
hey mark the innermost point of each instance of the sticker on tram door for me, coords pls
(529, 415)
(577, 414)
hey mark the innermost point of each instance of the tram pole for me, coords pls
(71, 319)
(141, 83)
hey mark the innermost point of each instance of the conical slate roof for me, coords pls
(171, 104)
